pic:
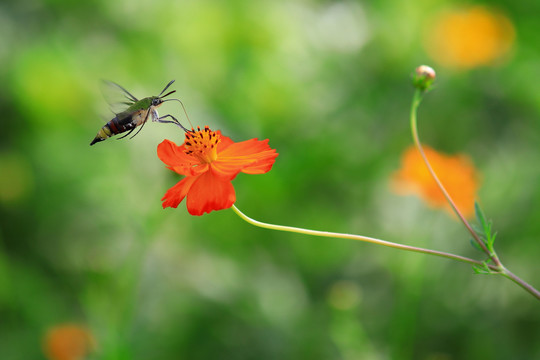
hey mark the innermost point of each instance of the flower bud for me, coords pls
(423, 77)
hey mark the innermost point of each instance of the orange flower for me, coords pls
(469, 37)
(210, 161)
(68, 342)
(456, 173)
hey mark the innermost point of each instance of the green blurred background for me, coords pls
(83, 237)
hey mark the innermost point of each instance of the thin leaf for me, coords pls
(480, 270)
(477, 229)
(480, 215)
(475, 245)
(492, 238)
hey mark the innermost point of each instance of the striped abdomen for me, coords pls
(119, 125)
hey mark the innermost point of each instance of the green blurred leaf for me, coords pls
(480, 216)
(483, 270)
(485, 233)
(475, 245)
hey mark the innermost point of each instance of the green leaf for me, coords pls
(480, 215)
(477, 229)
(491, 240)
(475, 245)
(487, 237)
(481, 270)
(484, 268)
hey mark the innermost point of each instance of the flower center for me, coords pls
(202, 144)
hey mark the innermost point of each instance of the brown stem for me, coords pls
(510, 275)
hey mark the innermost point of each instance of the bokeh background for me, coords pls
(84, 240)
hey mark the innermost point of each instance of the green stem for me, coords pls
(414, 130)
(359, 238)
(498, 267)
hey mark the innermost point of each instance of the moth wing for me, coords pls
(118, 98)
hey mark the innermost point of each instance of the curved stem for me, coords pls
(496, 269)
(414, 130)
(359, 238)
(498, 266)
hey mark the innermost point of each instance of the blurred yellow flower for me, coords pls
(68, 342)
(456, 173)
(469, 37)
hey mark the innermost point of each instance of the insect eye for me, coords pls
(155, 102)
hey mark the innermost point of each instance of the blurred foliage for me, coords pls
(83, 237)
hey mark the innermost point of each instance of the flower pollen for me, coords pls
(202, 144)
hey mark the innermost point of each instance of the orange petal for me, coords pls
(245, 148)
(225, 141)
(174, 196)
(199, 169)
(250, 156)
(68, 342)
(469, 37)
(456, 173)
(264, 163)
(209, 193)
(174, 157)
(226, 170)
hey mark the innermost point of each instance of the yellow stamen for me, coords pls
(202, 144)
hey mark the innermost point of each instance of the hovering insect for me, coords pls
(136, 114)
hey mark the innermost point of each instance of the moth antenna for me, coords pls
(166, 87)
(167, 94)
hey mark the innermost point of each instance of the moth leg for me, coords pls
(138, 131)
(130, 131)
(144, 122)
(174, 121)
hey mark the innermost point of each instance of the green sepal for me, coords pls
(423, 78)
(484, 268)
(481, 270)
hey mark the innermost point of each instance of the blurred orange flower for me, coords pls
(210, 161)
(456, 173)
(469, 37)
(68, 342)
